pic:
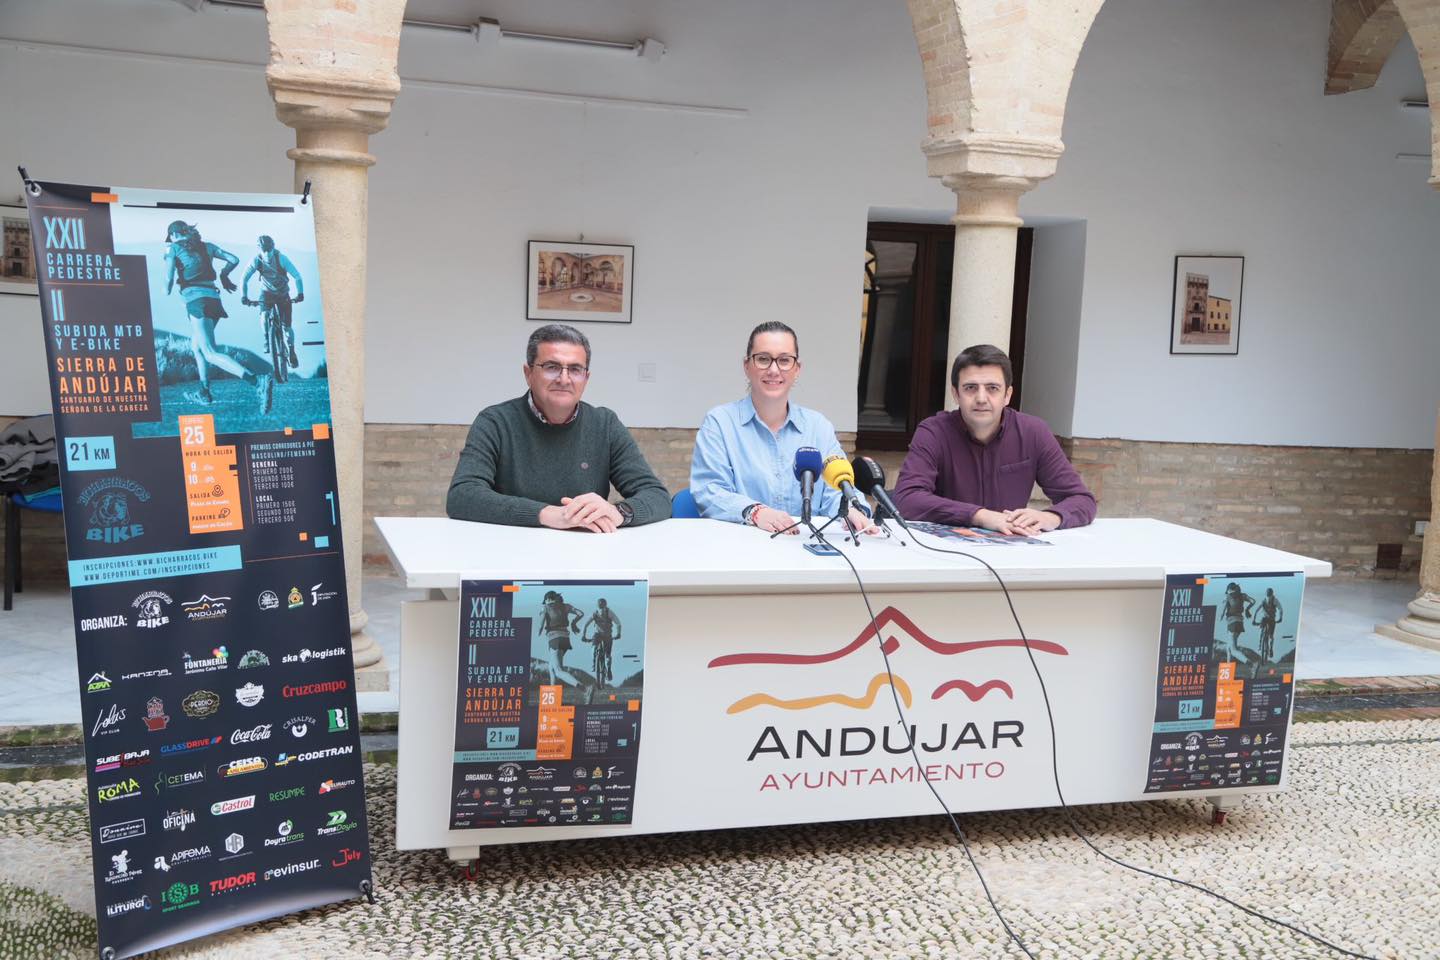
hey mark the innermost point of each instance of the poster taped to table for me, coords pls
(1225, 683)
(540, 741)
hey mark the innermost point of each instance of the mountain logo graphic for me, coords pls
(894, 627)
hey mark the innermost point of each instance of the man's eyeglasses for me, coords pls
(785, 362)
(552, 370)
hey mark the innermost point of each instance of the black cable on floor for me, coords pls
(905, 726)
(1055, 770)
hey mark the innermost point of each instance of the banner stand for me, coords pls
(224, 772)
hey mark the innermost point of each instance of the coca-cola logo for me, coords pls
(261, 731)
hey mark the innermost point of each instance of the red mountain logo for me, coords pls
(897, 625)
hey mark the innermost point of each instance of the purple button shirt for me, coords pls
(948, 474)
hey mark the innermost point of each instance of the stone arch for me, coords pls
(997, 77)
(1362, 35)
(1003, 74)
(1422, 20)
(945, 63)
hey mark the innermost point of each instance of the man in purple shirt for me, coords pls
(976, 465)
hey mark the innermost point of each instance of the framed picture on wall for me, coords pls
(17, 257)
(1205, 310)
(579, 281)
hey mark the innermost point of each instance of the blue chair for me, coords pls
(44, 502)
(682, 506)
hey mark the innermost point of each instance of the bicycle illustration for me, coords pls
(601, 664)
(277, 345)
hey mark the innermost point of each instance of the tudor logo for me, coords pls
(226, 884)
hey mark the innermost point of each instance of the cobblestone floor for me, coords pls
(1348, 851)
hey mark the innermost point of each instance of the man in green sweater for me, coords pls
(546, 459)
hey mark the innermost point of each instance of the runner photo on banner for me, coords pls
(185, 340)
(550, 688)
(1226, 680)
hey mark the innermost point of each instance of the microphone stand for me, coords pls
(817, 533)
(883, 514)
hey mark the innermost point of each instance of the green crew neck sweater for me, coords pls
(513, 465)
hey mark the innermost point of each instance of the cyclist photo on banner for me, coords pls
(607, 630)
(602, 622)
(276, 272)
(254, 372)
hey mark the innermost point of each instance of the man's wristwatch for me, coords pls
(627, 513)
(748, 514)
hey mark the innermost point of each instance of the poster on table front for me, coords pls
(549, 690)
(185, 341)
(1226, 680)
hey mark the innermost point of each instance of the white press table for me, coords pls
(766, 700)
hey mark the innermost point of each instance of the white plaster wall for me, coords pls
(1052, 333)
(1200, 128)
(1191, 127)
(735, 220)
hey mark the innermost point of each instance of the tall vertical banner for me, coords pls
(186, 346)
(1226, 678)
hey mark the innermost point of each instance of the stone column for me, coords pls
(988, 175)
(333, 76)
(1422, 626)
(987, 221)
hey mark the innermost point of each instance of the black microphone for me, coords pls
(808, 466)
(870, 479)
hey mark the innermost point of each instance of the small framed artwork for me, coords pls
(17, 257)
(579, 281)
(1205, 311)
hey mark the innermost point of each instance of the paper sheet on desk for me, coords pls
(974, 535)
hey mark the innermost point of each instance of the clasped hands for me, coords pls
(1023, 522)
(589, 511)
